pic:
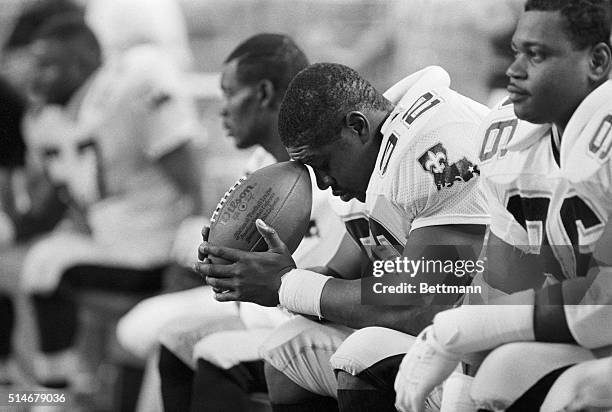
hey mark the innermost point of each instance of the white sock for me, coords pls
(456, 394)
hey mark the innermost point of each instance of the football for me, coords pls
(280, 195)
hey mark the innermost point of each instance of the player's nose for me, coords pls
(516, 70)
(324, 181)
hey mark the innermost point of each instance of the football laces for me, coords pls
(223, 200)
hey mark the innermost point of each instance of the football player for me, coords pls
(113, 140)
(409, 155)
(255, 75)
(545, 163)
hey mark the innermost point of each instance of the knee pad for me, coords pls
(48, 259)
(139, 330)
(510, 370)
(367, 346)
(231, 348)
(181, 337)
(301, 349)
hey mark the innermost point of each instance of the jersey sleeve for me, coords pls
(168, 111)
(438, 179)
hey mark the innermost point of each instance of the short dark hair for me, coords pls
(268, 56)
(317, 100)
(70, 27)
(588, 21)
(33, 17)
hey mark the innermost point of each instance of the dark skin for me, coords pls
(549, 78)
(344, 165)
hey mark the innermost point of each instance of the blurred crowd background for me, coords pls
(385, 40)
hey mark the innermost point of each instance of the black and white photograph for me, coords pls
(305, 206)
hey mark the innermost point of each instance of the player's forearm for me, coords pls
(570, 311)
(549, 321)
(563, 313)
(341, 303)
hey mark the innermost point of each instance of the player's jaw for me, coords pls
(347, 196)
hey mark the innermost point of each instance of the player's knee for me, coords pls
(214, 349)
(132, 333)
(48, 256)
(295, 338)
(350, 382)
(38, 254)
(510, 370)
(367, 346)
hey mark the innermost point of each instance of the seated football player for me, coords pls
(410, 156)
(545, 166)
(113, 140)
(255, 75)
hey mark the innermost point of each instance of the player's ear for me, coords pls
(600, 62)
(358, 124)
(266, 93)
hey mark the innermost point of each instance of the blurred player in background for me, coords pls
(17, 62)
(12, 156)
(397, 152)
(546, 170)
(19, 186)
(120, 25)
(113, 140)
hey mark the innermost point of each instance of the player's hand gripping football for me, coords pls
(426, 365)
(252, 276)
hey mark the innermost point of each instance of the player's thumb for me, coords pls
(205, 232)
(275, 244)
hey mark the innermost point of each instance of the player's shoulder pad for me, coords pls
(415, 97)
(431, 77)
(147, 64)
(587, 140)
(149, 75)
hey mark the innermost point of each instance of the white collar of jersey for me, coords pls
(587, 139)
(431, 78)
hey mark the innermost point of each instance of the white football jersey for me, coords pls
(426, 172)
(540, 197)
(103, 149)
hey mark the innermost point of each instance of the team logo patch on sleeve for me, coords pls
(435, 161)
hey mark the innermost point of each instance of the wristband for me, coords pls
(473, 328)
(300, 291)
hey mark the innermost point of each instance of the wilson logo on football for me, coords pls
(237, 204)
